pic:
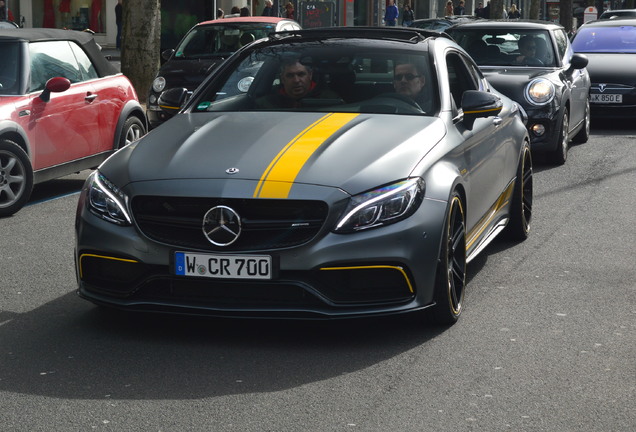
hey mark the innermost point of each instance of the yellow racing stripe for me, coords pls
(278, 178)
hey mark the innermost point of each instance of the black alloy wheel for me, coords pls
(450, 280)
(584, 134)
(521, 206)
(560, 154)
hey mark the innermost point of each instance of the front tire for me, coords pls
(132, 131)
(16, 178)
(584, 134)
(560, 154)
(521, 206)
(450, 280)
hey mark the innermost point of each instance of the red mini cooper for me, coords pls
(63, 108)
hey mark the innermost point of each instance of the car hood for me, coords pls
(602, 68)
(353, 152)
(188, 73)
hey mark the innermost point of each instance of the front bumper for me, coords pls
(546, 119)
(381, 271)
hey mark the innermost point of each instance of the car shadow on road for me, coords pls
(58, 187)
(70, 349)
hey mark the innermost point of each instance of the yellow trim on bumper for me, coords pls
(400, 269)
(81, 257)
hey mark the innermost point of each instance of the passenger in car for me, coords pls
(296, 84)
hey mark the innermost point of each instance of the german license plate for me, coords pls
(606, 98)
(223, 266)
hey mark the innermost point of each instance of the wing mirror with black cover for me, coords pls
(479, 104)
(55, 85)
(165, 55)
(579, 61)
(172, 100)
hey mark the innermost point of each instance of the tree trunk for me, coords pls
(565, 15)
(141, 43)
(535, 9)
(496, 9)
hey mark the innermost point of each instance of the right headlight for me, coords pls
(107, 201)
(540, 91)
(382, 206)
(159, 84)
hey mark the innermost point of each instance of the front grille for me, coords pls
(266, 224)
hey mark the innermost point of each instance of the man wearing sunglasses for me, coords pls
(408, 80)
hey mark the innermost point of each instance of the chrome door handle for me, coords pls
(90, 97)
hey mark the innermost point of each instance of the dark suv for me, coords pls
(201, 50)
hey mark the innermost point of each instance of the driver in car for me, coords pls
(296, 85)
(409, 80)
(527, 51)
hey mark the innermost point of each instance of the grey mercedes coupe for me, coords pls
(326, 173)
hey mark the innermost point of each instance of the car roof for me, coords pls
(406, 34)
(84, 39)
(619, 11)
(616, 22)
(250, 19)
(507, 24)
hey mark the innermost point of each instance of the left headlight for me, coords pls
(159, 84)
(382, 206)
(107, 201)
(540, 91)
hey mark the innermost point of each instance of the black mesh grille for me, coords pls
(266, 224)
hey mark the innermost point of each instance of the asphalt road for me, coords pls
(546, 343)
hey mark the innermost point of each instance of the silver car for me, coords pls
(306, 178)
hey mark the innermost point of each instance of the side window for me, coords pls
(562, 42)
(85, 64)
(52, 59)
(460, 77)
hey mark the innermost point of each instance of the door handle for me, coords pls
(497, 121)
(90, 97)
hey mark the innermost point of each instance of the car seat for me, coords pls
(478, 50)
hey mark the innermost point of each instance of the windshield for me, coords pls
(495, 47)
(9, 68)
(605, 40)
(220, 40)
(341, 76)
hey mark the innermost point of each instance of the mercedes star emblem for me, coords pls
(221, 226)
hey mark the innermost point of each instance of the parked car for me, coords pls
(610, 46)
(304, 179)
(551, 83)
(618, 13)
(441, 24)
(201, 50)
(63, 108)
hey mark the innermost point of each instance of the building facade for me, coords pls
(179, 15)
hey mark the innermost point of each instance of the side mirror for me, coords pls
(172, 100)
(55, 85)
(479, 104)
(579, 61)
(167, 54)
